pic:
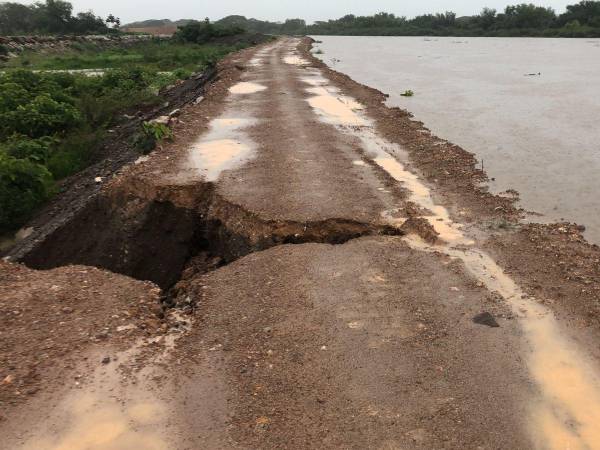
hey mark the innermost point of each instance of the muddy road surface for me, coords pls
(331, 276)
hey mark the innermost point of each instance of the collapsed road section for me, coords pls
(324, 284)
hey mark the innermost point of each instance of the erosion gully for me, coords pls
(325, 293)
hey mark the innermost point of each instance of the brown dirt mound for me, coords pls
(48, 319)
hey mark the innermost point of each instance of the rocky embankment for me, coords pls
(12, 46)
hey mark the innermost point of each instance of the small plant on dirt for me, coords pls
(407, 93)
(151, 134)
(158, 131)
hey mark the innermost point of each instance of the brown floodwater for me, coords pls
(527, 107)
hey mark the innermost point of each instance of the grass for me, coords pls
(160, 56)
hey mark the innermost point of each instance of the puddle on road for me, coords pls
(246, 87)
(295, 60)
(224, 147)
(567, 416)
(214, 157)
(255, 62)
(335, 109)
(105, 415)
(315, 80)
(111, 412)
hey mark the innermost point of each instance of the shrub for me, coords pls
(23, 147)
(42, 116)
(204, 32)
(158, 131)
(151, 134)
(24, 186)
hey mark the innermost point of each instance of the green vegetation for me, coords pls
(52, 123)
(156, 55)
(51, 17)
(156, 23)
(579, 20)
(407, 93)
(205, 32)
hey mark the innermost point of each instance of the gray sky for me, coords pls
(310, 10)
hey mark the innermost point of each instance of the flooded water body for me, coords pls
(529, 108)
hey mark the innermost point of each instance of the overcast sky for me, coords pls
(310, 10)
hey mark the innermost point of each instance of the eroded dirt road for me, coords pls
(328, 297)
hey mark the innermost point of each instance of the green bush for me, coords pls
(52, 123)
(24, 186)
(40, 117)
(205, 32)
(23, 147)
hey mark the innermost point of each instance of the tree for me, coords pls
(528, 16)
(585, 12)
(293, 26)
(54, 16)
(114, 21)
(16, 19)
(87, 22)
(486, 18)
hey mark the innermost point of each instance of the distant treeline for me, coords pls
(51, 17)
(579, 20)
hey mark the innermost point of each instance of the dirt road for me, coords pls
(327, 285)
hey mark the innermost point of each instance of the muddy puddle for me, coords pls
(246, 87)
(116, 406)
(534, 133)
(295, 60)
(105, 414)
(567, 411)
(224, 147)
(334, 108)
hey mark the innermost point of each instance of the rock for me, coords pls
(485, 318)
(24, 233)
(175, 113)
(8, 380)
(102, 335)
(98, 180)
(106, 360)
(161, 120)
(158, 311)
(67, 310)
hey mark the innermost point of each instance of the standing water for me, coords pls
(528, 108)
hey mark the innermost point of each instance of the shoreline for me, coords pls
(551, 259)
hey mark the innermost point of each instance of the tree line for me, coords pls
(51, 17)
(579, 20)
